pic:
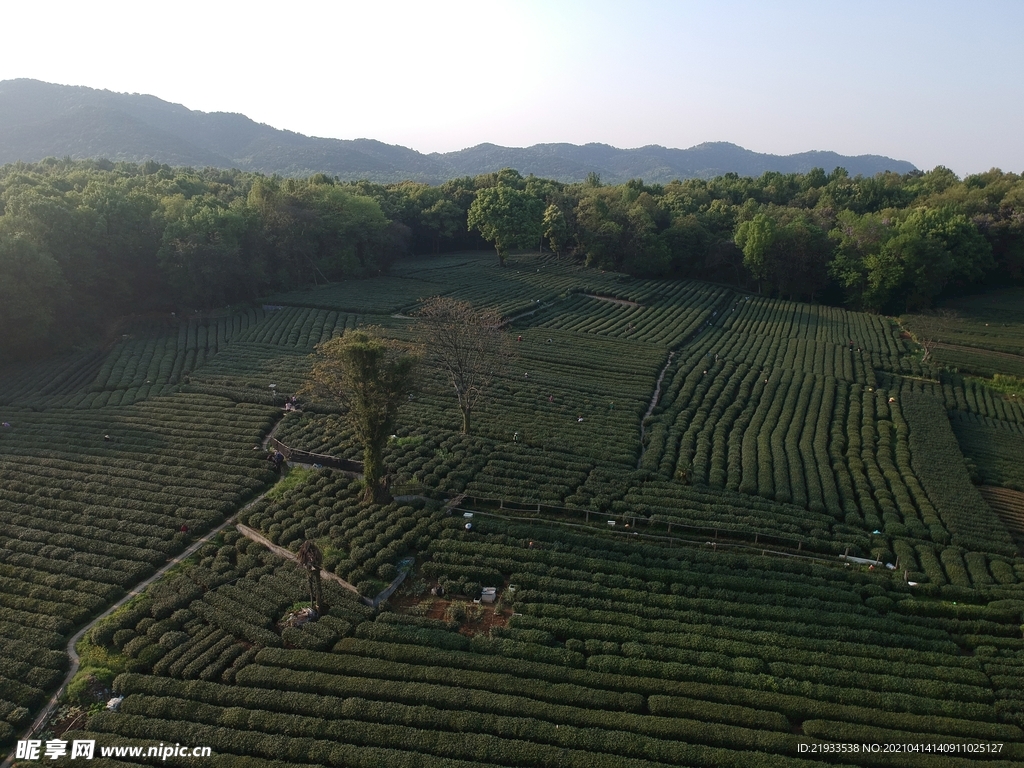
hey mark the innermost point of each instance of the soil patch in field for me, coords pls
(68, 719)
(479, 618)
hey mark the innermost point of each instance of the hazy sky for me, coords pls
(930, 82)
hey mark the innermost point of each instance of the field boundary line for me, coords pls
(699, 541)
(527, 313)
(978, 350)
(612, 300)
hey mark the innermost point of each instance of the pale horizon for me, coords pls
(926, 82)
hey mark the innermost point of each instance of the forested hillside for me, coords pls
(39, 120)
(84, 243)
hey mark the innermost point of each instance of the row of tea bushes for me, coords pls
(49, 382)
(938, 463)
(94, 501)
(994, 448)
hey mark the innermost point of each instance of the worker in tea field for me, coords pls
(277, 459)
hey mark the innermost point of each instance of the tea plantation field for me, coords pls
(723, 530)
(982, 335)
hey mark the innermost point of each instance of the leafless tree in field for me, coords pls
(467, 344)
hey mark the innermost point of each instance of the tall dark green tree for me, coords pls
(756, 238)
(30, 283)
(202, 256)
(372, 376)
(931, 249)
(507, 216)
(858, 243)
(556, 229)
(802, 253)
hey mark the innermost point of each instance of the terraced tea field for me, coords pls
(983, 335)
(93, 500)
(719, 526)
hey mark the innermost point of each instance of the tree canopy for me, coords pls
(371, 376)
(506, 215)
(83, 243)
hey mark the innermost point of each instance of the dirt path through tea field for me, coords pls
(134, 592)
(718, 313)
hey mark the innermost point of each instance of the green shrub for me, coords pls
(88, 679)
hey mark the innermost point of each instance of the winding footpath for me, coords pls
(137, 590)
(729, 300)
(650, 408)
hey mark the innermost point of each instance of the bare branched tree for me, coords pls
(467, 344)
(945, 316)
(928, 345)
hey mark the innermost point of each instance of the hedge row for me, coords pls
(937, 460)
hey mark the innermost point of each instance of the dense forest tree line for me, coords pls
(884, 244)
(83, 243)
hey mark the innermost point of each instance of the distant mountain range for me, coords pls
(40, 120)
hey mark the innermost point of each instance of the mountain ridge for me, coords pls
(39, 119)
